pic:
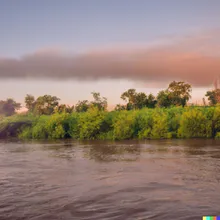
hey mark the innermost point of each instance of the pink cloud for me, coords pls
(195, 59)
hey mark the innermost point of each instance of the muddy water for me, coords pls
(172, 179)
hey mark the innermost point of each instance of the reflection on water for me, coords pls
(167, 179)
(108, 153)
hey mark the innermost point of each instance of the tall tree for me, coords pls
(43, 105)
(46, 104)
(120, 107)
(179, 92)
(163, 99)
(29, 102)
(9, 107)
(151, 101)
(129, 97)
(64, 108)
(99, 102)
(213, 96)
(82, 106)
(138, 100)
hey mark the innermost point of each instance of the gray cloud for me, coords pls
(195, 59)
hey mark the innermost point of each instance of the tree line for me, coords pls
(177, 94)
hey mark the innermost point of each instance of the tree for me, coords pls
(138, 100)
(99, 102)
(9, 107)
(120, 107)
(213, 96)
(30, 102)
(43, 105)
(82, 106)
(129, 97)
(64, 108)
(151, 101)
(163, 99)
(179, 92)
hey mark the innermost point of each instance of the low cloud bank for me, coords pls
(195, 59)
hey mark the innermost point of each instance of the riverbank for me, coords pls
(157, 123)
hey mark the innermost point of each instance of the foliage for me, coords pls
(90, 123)
(144, 120)
(64, 109)
(82, 106)
(143, 117)
(57, 126)
(73, 121)
(136, 100)
(13, 125)
(147, 123)
(9, 107)
(120, 107)
(29, 102)
(179, 93)
(163, 99)
(99, 103)
(39, 129)
(213, 96)
(194, 123)
(160, 125)
(43, 105)
(124, 125)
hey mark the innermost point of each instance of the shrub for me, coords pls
(194, 123)
(144, 122)
(90, 124)
(39, 129)
(73, 124)
(124, 125)
(160, 125)
(57, 126)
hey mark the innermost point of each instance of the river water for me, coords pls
(170, 179)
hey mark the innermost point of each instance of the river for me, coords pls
(166, 179)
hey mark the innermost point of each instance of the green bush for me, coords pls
(173, 119)
(124, 125)
(175, 122)
(216, 122)
(195, 124)
(26, 133)
(160, 125)
(73, 123)
(144, 120)
(90, 124)
(39, 129)
(57, 126)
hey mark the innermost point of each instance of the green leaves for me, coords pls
(177, 94)
(9, 107)
(158, 123)
(89, 123)
(195, 124)
(124, 125)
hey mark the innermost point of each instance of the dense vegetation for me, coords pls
(174, 122)
(142, 117)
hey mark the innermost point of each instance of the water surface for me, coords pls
(172, 179)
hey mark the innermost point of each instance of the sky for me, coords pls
(71, 48)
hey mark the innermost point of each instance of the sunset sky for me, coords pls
(70, 48)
